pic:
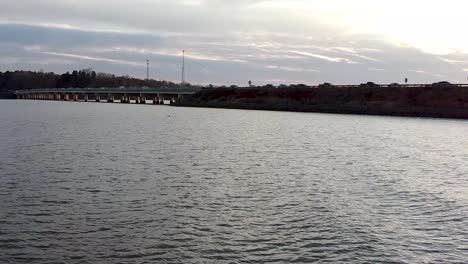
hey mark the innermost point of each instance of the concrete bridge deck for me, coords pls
(138, 95)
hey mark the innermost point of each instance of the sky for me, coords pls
(236, 41)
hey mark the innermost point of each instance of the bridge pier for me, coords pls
(155, 95)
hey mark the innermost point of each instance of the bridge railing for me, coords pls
(132, 90)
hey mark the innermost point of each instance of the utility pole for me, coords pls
(183, 67)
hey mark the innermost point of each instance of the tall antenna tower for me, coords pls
(183, 67)
(147, 70)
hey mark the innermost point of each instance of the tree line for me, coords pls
(23, 80)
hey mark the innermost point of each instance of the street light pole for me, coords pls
(147, 70)
(183, 67)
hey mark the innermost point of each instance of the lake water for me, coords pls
(111, 183)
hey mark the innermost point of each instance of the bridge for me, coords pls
(122, 95)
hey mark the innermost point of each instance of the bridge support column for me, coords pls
(86, 98)
(110, 98)
(98, 98)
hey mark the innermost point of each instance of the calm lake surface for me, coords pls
(110, 183)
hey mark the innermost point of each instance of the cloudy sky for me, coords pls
(234, 41)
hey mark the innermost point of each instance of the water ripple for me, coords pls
(95, 183)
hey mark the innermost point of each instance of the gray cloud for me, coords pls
(226, 42)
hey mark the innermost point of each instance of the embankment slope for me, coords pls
(430, 101)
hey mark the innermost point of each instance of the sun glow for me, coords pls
(434, 27)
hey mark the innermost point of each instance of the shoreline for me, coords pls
(461, 116)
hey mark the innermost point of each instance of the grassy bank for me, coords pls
(447, 101)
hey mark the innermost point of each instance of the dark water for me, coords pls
(109, 183)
